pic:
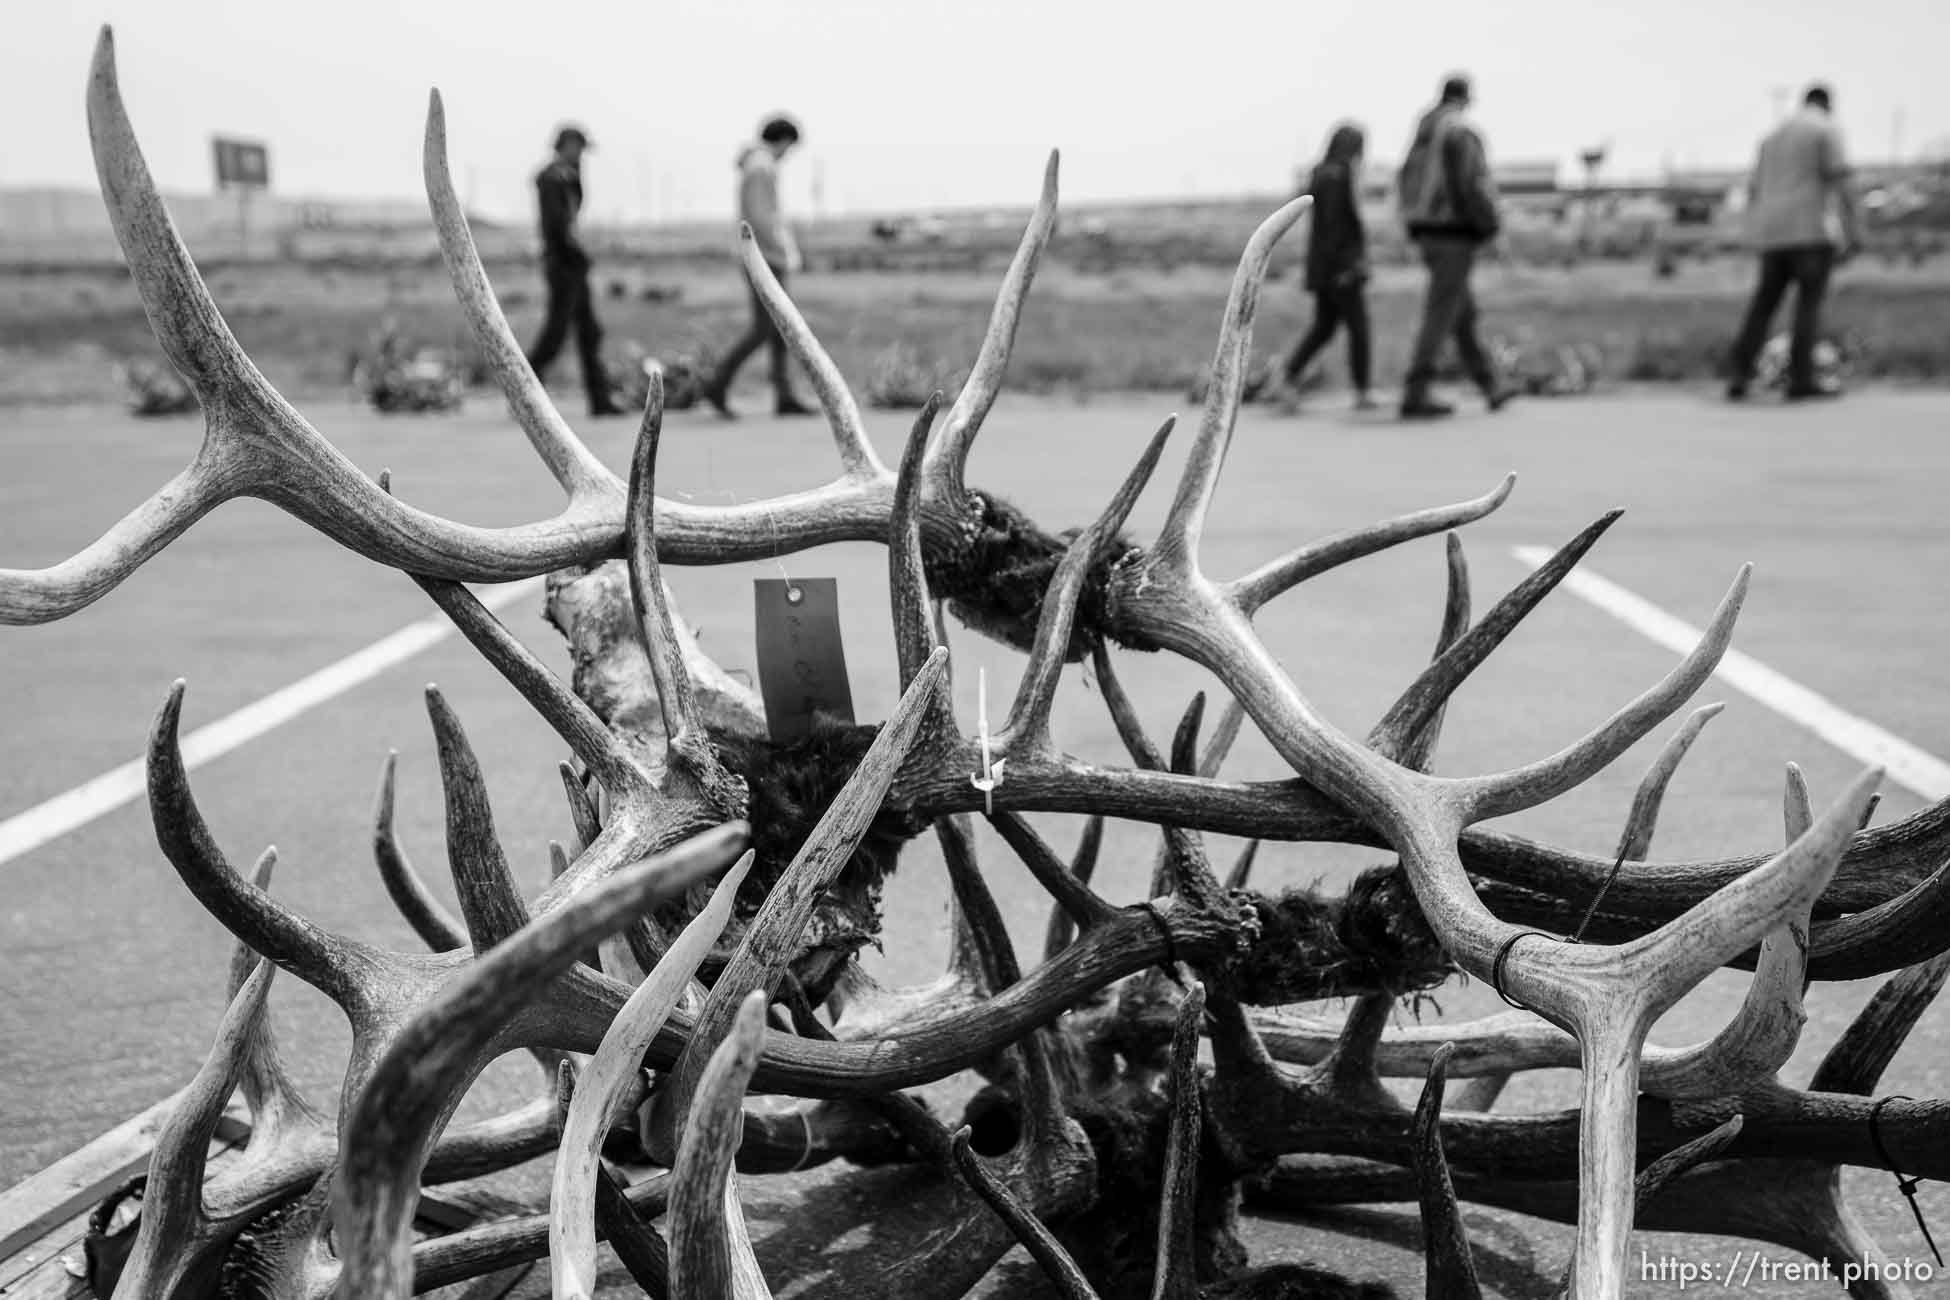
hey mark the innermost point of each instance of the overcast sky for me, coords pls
(920, 103)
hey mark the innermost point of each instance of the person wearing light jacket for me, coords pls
(758, 208)
(1801, 220)
(1449, 202)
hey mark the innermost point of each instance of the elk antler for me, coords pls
(663, 790)
(604, 1085)
(392, 1120)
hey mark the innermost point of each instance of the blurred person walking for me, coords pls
(1801, 220)
(1337, 268)
(565, 267)
(759, 208)
(1449, 202)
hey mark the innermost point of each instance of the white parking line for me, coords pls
(24, 832)
(1908, 766)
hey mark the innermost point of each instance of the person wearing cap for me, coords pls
(1449, 203)
(758, 208)
(565, 267)
(1801, 218)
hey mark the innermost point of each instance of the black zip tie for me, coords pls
(1907, 1186)
(1503, 959)
(1577, 935)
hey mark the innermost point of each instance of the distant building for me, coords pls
(56, 224)
(1526, 177)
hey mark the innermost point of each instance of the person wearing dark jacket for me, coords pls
(565, 268)
(1449, 202)
(1337, 264)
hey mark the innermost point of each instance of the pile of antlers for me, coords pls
(697, 942)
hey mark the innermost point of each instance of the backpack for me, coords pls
(1411, 179)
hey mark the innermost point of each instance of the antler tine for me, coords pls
(611, 1071)
(1224, 736)
(1418, 747)
(186, 321)
(1797, 807)
(242, 960)
(612, 956)
(1062, 927)
(1856, 1062)
(255, 443)
(582, 809)
(1655, 1177)
(980, 949)
(1026, 734)
(1349, 1069)
(683, 728)
(565, 713)
(988, 935)
(314, 955)
(947, 460)
(191, 332)
(1242, 866)
(1635, 842)
(172, 1210)
(1123, 715)
(1184, 853)
(1255, 589)
(1184, 737)
(1177, 548)
(1483, 797)
(858, 459)
(394, 1119)
(637, 1244)
(1761, 1037)
(1910, 928)
(916, 633)
(706, 1222)
(1176, 1276)
(766, 948)
(1083, 863)
(1686, 949)
(1667, 1169)
(1423, 701)
(576, 468)
(429, 917)
(1176, 842)
(1056, 1262)
(272, 1094)
(1084, 906)
(489, 898)
(1445, 1243)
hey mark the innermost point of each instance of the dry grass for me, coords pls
(900, 334)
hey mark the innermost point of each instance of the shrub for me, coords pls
(902, 378)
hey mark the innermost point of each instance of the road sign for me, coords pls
(245, 164)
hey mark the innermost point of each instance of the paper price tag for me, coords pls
(801, 663)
